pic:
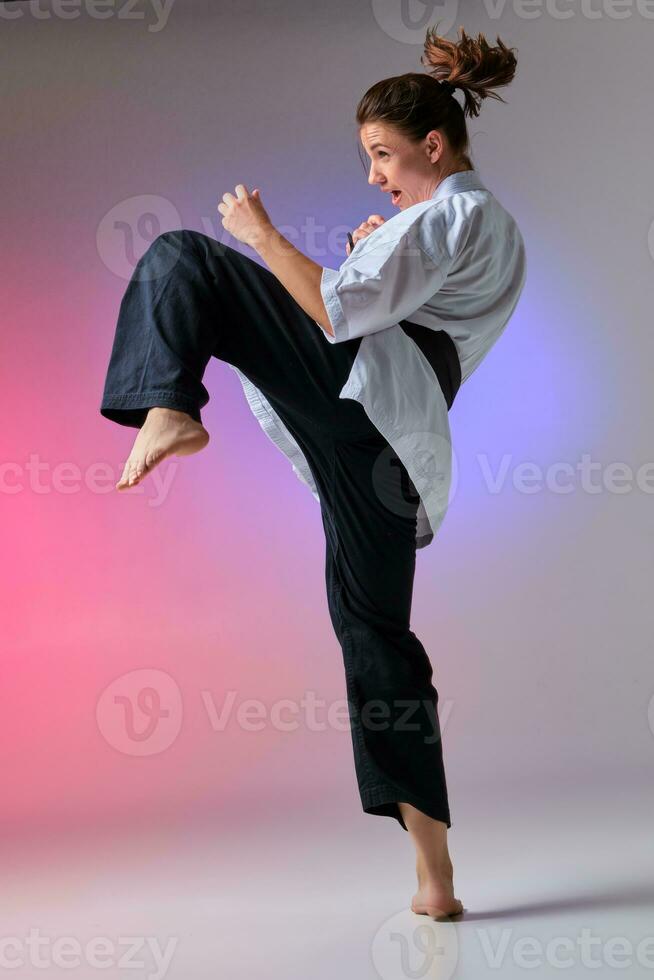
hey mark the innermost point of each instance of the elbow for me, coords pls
(324, 321)
(326, 328)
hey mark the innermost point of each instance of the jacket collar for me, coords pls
(463, 180)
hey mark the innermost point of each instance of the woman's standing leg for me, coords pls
(396, 736)
(399, 746)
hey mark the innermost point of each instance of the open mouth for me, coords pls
(395, 196)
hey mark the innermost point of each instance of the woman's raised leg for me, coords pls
(190, 298)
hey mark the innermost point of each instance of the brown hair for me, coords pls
(416, 103)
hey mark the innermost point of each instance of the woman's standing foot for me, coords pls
(165, 432)
(435, 896)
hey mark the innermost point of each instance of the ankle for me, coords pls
(434, 868)
(162, 410)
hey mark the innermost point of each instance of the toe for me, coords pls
(124, 479)
(132, 473)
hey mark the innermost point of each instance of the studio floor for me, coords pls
(553, 887)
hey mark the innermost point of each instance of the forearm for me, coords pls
(299, 274)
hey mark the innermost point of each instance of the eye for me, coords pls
(382, 153)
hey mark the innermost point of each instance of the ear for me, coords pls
(434, 143)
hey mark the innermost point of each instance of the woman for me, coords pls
(351, 372)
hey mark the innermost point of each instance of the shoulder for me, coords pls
(471, 217)
(442, 227)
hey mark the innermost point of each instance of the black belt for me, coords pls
(440, 350)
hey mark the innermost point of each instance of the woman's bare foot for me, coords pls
(165, 432)
(435, 895)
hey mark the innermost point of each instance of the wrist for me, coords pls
(264, 237)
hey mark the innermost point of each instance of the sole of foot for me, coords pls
(165, 432)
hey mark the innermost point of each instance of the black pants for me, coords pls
(191, 298)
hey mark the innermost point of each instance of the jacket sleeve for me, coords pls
(382, 283)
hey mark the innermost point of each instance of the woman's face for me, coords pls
(397, 164)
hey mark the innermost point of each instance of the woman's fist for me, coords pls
(365, 229)
(244, 216)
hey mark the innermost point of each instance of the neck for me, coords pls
(454, 168)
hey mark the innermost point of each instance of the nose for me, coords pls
(372, 177)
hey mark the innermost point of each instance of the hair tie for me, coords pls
(447, 87)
